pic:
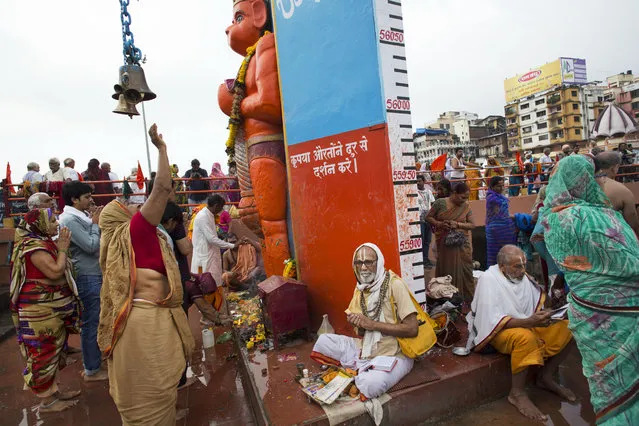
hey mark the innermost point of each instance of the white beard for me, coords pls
(366, 277)
(516, 281)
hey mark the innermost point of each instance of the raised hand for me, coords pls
(64, 239)
(156, 138)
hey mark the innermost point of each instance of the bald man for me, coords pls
(508, 314)
(606, 169)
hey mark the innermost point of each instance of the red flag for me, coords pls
(439, 163)
(8, 179)
(519, 162)
(139, 177)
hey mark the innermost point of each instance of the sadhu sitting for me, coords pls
(507, 314)
(243, 266)
(377, 321)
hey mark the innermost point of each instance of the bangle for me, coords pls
(65, 251)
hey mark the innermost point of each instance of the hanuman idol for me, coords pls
(256, 140)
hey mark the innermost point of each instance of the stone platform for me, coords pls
(455, 383)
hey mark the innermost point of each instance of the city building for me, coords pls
(458, 124)
(431, 143)
(552, 105)
(623, 89)
(495, 145)
(562, 115)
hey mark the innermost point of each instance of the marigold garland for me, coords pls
(239, 93)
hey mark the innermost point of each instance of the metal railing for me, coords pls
(15, 204)
(627, 173)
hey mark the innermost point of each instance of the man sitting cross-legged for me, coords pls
(507, 314)
(370, 311)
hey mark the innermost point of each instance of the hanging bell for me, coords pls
(125, 107)
(132, 84)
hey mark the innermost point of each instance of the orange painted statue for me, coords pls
(256, 141)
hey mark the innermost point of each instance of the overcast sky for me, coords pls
(60, 61)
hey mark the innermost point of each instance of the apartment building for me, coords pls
(563, 114)
(431, 143)
(623, 88)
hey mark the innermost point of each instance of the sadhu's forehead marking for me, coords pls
(365, 253)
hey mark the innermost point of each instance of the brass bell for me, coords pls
(125, 107)
(132, 84)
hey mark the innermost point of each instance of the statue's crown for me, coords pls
(236, 2)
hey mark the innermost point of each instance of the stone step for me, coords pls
(464, 382)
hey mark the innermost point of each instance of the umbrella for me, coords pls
(614, 121)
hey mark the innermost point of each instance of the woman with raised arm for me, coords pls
(143, 330)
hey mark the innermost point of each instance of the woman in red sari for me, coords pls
(452, 219)
(44, 305)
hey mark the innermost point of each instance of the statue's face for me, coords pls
(243, 31)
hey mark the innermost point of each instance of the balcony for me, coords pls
(555, 112)
(553, 99)
(510, 111)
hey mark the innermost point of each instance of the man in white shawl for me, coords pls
(508, 314)
(374, 319)
(206, 244)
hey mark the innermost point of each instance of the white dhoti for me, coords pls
(343, 350)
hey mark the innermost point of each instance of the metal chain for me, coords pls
(132, 55)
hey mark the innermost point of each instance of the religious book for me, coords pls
(559, 313)
(328, 393)
(383, 363)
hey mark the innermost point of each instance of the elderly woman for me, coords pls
(453, 222)
(598, 253)
(143, 329)
(500, 229)
(44, 305)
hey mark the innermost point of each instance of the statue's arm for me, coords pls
(264, 103)
(225, 98)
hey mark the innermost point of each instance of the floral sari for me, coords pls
(43, 314)
(455, 261)
(500, 229)
(599, 254)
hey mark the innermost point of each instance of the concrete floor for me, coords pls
(222, 401)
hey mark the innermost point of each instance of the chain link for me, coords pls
(132, 55)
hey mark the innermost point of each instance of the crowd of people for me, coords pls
(584, 225)
(524, 177)
(107, 185)
(119, 275)
(125, 274)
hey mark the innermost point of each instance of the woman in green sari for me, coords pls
(599, 254)
(452, 220)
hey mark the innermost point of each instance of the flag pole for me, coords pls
(146, 139)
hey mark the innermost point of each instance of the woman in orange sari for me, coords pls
(452, 219)
(473, 177)
(493, 168)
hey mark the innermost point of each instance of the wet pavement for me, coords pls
(502, 413)
(216, 398)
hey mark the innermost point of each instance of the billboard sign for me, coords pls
(563, 70)
(535, 80)
(573, 71)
